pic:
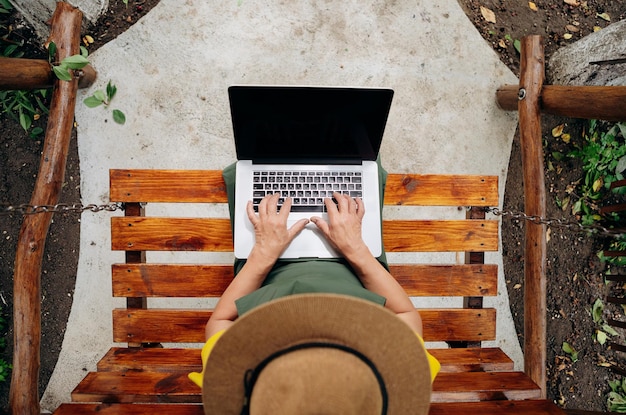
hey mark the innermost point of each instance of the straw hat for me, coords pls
(317, 354)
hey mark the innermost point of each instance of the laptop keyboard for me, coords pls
(307, 189)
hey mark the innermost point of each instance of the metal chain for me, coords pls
(25, 209)
(571, 225)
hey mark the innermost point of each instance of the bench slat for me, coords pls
(192, 280)
(440, 190)
(188, 360)
(210, 234)
(187, 326)
(526, 407)
(207, 186)
(145, 386)
(168, 186)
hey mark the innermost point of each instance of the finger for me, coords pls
(285, 208)
(297, 227)
(321, 224)
(331, 207)
(343, 201)
(251, 213)
(360, 208)
(263, 206)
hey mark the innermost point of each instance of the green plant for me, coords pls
(22, 106)
(616, 400)
(5, 367)
(571, 352)
(604, 331)
(101, 97)
(74, 62)
(603, 155)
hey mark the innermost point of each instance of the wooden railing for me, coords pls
(531, 98)
(28, 74)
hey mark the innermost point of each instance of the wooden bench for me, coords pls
(144, 377)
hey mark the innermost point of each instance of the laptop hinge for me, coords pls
(322, 162)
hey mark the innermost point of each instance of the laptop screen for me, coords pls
(283, 124)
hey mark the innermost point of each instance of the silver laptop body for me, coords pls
(300, 142)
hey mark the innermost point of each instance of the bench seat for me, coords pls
(145, 377)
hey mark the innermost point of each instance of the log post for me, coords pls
(24, 394)
(26, 74)
(589, 102)
(530, 87)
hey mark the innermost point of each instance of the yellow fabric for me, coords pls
(196, 377)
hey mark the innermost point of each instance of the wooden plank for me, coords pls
(129, 387)
(187, 326)
(440, 235)
(535, 251)
(128, 409)
(193, 280)
(188, 360)
(579, 101)
(207, 186)
(208, 234)
(171, 234)
(441, 190)
(170, 280)
(483, 386)
(526, 407)
(170, 186)
(447, 280)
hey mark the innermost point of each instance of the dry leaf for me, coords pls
(572, 28)
(571, 2)
(566, 137)
(502, 43)
(567, 36)
(488, 14)
(558, 130)
(517, 286)
(548, 233)
(532, 6)
(597, 28)
(603, 16)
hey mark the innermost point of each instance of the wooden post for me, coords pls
(530, 86)
(26, 74)
(24, 395)
(590, 102)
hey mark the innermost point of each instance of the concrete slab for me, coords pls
(172, 70)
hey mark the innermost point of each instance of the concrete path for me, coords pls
(172, 70)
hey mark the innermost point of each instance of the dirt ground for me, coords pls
(575, 275)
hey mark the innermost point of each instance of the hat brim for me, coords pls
(361, 325)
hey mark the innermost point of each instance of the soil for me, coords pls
(574, 273)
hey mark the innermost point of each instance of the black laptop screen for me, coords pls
(308, 124)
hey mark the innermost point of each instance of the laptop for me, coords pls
(304, 142)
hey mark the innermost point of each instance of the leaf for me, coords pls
(111, 90)
(488, 14)
(558, 130)
(99, 94)
(532, 6)
(571, 2)
(75, 62)
(119, 117)
(25, 120)
(52, 50)
(517, 45)
(567, 36)
(597, 185)
(601, 337)
(604, 16)
(62, 73)
(621, 165)
(609, 330)
(566, 138)
(92, 102)
(596, 311)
